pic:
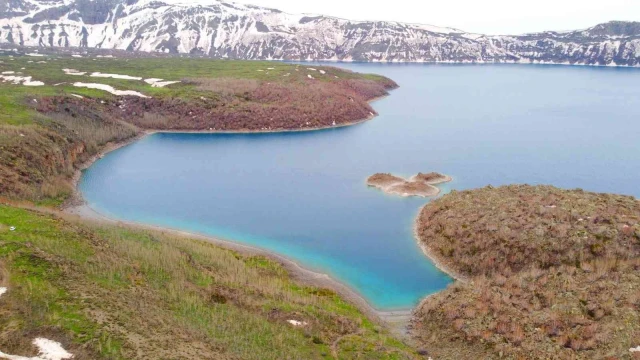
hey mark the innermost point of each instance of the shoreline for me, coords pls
(437, 261)
(397, 320)
(76, 198)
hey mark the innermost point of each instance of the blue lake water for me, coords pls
(304, 194)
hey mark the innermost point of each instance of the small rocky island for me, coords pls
(419, 185)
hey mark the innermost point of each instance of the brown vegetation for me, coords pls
(245, 105)
(553, 274)
(38, 161)
(432, 178)
(227, 86)
(384, 180)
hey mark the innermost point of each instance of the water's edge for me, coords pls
(78, 206)
(396, 318)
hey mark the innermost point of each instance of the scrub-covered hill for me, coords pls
(549, 273)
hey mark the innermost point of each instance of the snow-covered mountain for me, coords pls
(229, 30)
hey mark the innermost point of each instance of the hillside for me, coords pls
(549, 273)
(57, 112)
(110, 292)
(227, 30)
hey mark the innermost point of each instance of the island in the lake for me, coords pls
(421, 185)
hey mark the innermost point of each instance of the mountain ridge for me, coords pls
(235, 31)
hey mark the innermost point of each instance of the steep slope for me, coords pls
(229, 30)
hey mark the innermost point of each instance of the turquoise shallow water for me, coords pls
(303, 194)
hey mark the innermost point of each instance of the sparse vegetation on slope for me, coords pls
(120, 293)
(551, 274)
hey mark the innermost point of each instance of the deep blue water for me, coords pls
(304, 194)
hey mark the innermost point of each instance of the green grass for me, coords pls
(13, 109)
(116, 292)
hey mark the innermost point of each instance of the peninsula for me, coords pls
(545, 273)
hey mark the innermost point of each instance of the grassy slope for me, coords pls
(116, 292)
(13, 110)
(554, 274)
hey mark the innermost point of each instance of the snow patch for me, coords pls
(110, 89)
(152, 81)
(35, 55)
(17, 80)
(115, 76)
(73, 72)
(297, 323)
(51, 350)
(8, 72)
(3, 290)
(47, 350)
(310, 77)
(78, 96)
(76, 56)
(636, 349)
(159, 83)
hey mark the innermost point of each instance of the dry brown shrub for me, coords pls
(546, 294)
